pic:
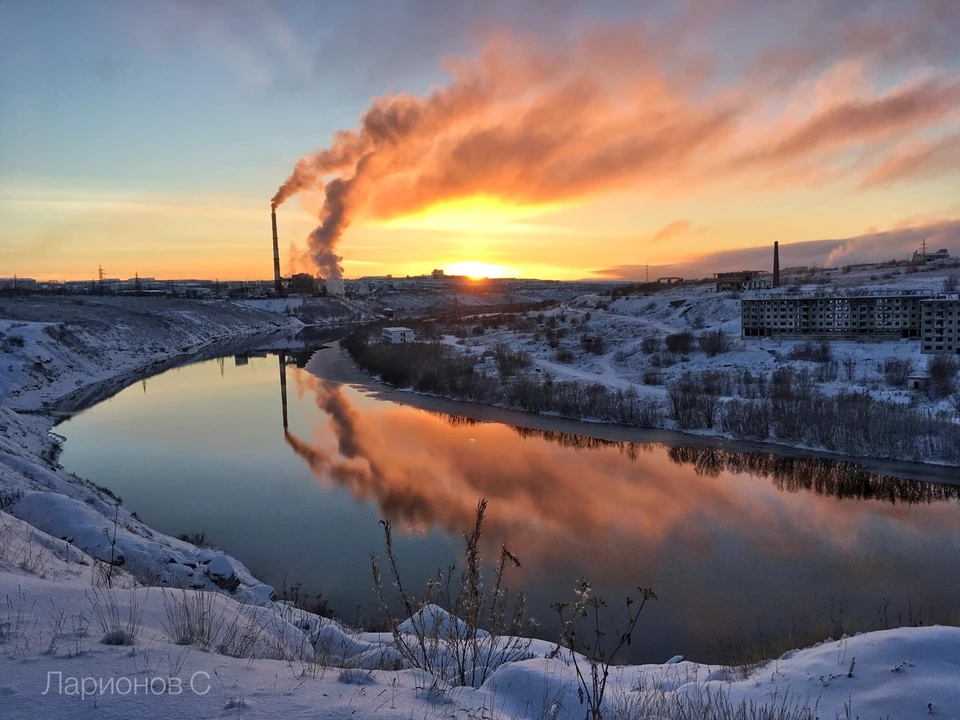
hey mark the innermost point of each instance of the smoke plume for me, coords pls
(520, 123)
(537, 124)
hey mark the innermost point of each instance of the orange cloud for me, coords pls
(528, 123)
(677, 227)
(851, 122)
(918, 161)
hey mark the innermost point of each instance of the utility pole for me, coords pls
(924, 251)
(648, 273)
(100, 273)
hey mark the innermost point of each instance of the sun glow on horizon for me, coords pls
(476, 270)
(474, 215)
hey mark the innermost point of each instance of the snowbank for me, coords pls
(76, 648)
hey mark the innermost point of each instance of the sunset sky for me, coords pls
(549, 139)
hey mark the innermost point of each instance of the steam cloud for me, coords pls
(520, 123)
(535, 124)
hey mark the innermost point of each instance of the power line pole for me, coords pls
(100, 273)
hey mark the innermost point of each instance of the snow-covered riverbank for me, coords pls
(216, 645)
(62, 354)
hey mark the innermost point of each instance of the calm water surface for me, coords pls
(741, 548)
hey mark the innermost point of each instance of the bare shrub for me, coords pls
(9, 497)
(681, 398)
(651, 344)
(649, 414)
(950, 283)
(955, 401)
(197, 538)
(714, 343)
(746, 419)
(594, 670)
(716, 382)
(652, 376)
(239, 637)
(509, 361)
(819, 352)
(119, 627)
(750, 385)
(850, 368)
(592, 344)
(896, 371)
(943, 372)
(190, 618)
(789, 384)
(704, 703)
(10, 342)
(681, 342)
(484, 627)
(661, 360)
(827, 371)
(564, 355)
(692, 403)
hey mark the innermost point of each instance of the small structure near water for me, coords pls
(398, 335)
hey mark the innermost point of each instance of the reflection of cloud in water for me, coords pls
(615, 501)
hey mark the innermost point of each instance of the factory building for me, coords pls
(921, 257)
(890, 315)
(940, 324)
(734, 281)
(18, 284)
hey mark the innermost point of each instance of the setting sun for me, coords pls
(476, 270)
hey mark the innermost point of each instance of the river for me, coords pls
(745, 550)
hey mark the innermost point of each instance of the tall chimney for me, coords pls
(276, 255)
(776, 260)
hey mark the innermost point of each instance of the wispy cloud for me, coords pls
(875, 246)
(917, 161)
(677, 227)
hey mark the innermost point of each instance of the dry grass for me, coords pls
(120, 626)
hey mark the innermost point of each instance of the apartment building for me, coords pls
(889, 315)
(940, 324)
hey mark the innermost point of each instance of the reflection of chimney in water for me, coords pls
(283, 388)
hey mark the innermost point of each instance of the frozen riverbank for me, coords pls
(60, 355)
(340, 367)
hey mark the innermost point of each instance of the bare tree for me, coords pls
(896, 371)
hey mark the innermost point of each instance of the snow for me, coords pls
(95, 347)
(279, 660)
(625, 322)
(182, 646)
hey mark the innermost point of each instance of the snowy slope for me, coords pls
(235, 660)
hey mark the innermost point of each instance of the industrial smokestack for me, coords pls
(276, 254)
(776, 262)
